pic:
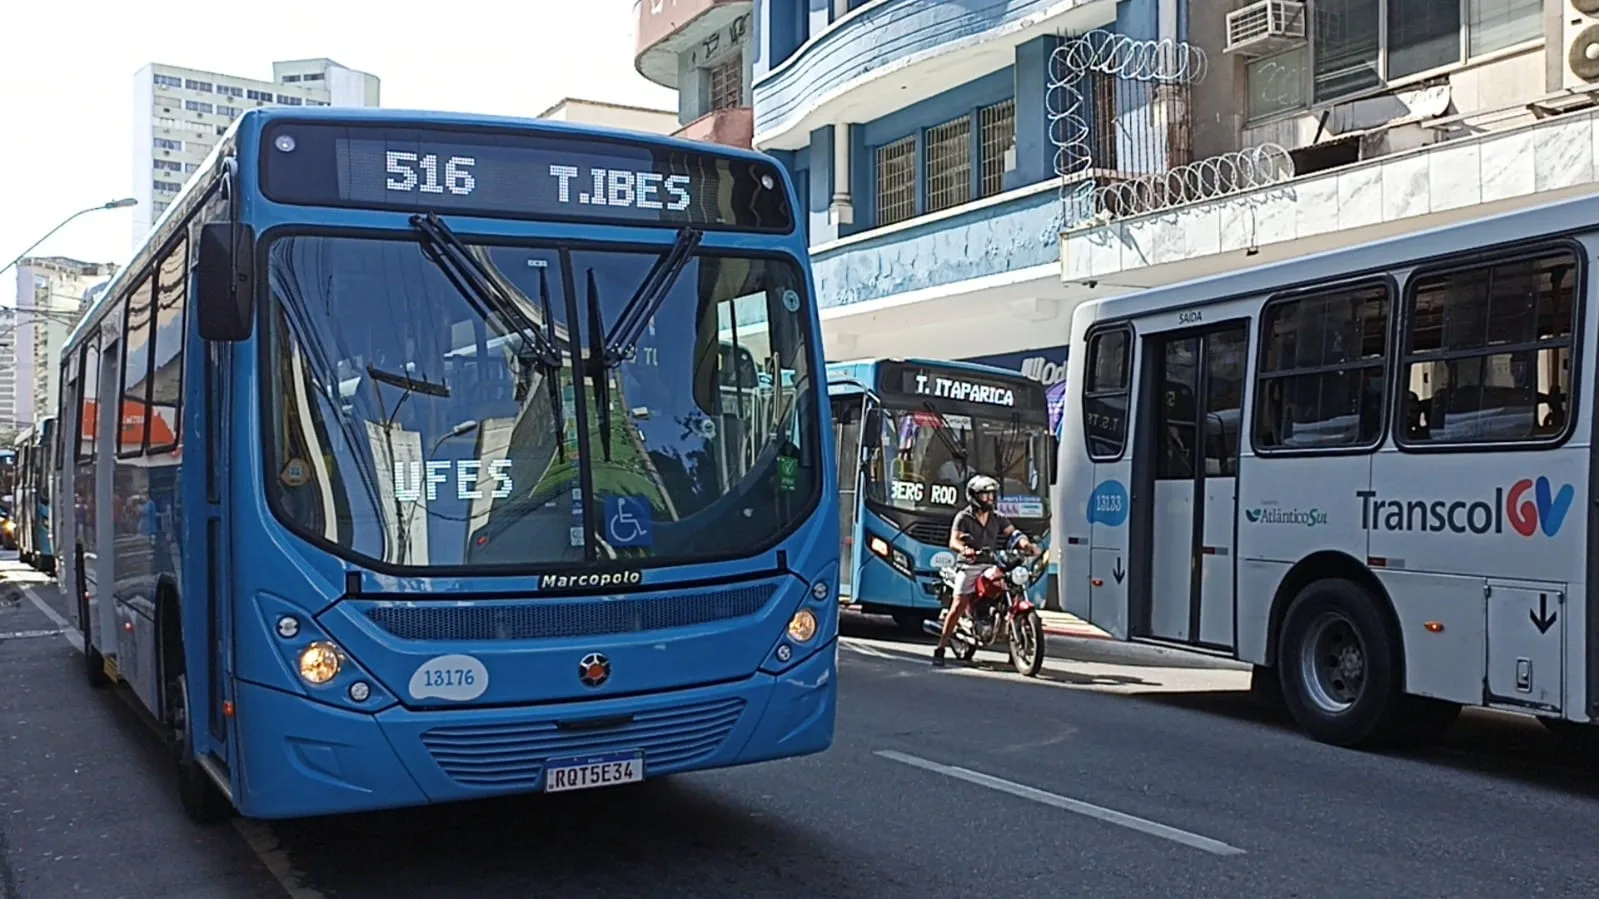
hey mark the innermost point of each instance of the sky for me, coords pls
(67, 68)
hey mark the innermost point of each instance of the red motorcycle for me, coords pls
(1000, 613)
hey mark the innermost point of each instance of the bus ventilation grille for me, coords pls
(512, 756)
(533, 619)
(930, 532)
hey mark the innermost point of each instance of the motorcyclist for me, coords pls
(976, 528)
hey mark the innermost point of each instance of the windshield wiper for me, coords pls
(942, 431)
(406, 382)
(629, 326)
(474, 282)
(609, 349)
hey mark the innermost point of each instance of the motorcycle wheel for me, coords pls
(1027, 645)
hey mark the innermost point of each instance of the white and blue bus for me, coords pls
(409, 468)
(1366, 471)
(909, 434)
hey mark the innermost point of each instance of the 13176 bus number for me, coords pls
(449, 677)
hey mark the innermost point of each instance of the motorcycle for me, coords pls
(1001, 613)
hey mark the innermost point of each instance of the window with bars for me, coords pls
(896, 181)
(997, 134)
(961, 160)
(727, 83)
(947, 158)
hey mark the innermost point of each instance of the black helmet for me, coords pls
(982, 492)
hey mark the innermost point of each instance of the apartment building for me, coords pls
(612, 115)
(1326, 123)
(972, 172)
(179, 113)
(51, 294)
(702, 50)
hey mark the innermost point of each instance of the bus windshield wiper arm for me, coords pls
(629, 326)
(406, 382)
(478, 286)
(474, 282)
(942, 430)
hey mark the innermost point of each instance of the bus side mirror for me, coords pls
(1054, 458)
(224, 281)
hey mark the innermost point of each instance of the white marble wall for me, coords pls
(1550, 155)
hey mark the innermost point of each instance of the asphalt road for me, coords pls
(1112, 775)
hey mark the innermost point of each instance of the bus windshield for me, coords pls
(930, 455)
(411, 423)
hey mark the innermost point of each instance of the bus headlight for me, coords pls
(802, 627)
(320, 663)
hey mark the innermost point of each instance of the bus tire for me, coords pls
(93, 661)
(203, 801)
(1340, 664)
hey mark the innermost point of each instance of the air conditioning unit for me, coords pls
(1265, 27)
(1581, 38)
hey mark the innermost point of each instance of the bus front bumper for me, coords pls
(302, 758)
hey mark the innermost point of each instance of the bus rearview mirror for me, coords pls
(224, 282)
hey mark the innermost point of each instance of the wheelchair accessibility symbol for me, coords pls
(629, 521)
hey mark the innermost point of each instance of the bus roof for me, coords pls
(976, 368)
(255, 119)
(1550, 219)
(247, 126)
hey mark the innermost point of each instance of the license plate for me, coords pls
(589, 771)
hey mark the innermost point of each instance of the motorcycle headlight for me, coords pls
(1018, 576)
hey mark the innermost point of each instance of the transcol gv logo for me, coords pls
(1527, 506)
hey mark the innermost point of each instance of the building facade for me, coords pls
(921, 134)
(179, 113)
(8, 376)
(1354, 120)
(703, 50)
(51, 294)
(612, 115)
(971, 172)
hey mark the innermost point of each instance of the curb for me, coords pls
(1086, 634)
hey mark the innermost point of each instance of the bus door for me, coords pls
(1188, 439)
(849, 411)
(102, 526)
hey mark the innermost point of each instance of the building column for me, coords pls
(841, 206)
(1035, 152)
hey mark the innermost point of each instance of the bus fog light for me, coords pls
(802, 627)
(819, 591)
(288, 627)
(359, 691)
(784, 652)
(320, 662)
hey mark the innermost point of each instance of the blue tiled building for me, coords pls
(920, 136)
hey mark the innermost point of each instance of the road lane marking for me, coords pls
(1076, 806)
(68, 632)
(864, 649)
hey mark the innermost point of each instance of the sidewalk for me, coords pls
(1065, 624)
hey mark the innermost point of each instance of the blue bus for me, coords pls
(31, 500)
(408, 472)
(909, 434)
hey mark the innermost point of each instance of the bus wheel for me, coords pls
(1339, 664)
(203, 801)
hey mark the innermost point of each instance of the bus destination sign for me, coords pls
(520, 174)
(950, 386)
